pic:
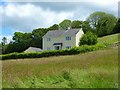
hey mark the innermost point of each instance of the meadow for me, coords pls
(97, 69)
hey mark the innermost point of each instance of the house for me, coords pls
(33, 49)
(62, 39)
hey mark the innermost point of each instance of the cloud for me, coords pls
(27, 17)
(9, 38)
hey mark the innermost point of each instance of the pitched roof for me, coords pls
(56, 33)
(33, 49)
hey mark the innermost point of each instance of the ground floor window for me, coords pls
(68, 47)
(48, 48)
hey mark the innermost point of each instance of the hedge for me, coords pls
(73, 51)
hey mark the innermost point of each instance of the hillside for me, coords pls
(110, 39)
(90, 70)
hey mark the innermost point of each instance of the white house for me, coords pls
(62, 39)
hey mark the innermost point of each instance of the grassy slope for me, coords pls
(110, 39)
(94, 69)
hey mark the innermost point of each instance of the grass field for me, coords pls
(98, 69)
(110, 39)
(90, 70)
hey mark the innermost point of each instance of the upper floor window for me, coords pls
(68, 38)
(48, 39)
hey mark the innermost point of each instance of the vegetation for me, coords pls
(110, 39)
(99, 23)
(102, 23)
(103, 42)
(76, 24)
(98, 69)
(88, 39)
(117, 27)
(65, 24)
(72, 51)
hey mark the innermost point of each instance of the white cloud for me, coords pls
(27, 17)
(9, 38)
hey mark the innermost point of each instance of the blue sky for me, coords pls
(31, 14)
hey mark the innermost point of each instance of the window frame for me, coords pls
(68, 38)
(48, 48)
(48, 39)
(68, 47)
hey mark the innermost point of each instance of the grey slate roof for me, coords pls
(33, 49)
(57, 33)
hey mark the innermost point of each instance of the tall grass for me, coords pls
(98, 69)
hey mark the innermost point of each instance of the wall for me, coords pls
(61, 39)
(78, 36)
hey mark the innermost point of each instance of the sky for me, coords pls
(17, 16)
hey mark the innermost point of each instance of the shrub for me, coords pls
(75, 50)
(88, 39)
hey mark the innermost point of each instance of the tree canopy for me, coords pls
(76, 24)
(102, 23)
(65, 24)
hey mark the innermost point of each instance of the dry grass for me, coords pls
(102, 64)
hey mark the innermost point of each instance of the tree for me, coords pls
(22, 37)
(21, 41)
(117, 27)
(76, 24)
(86, 26)
(88, 39)
(54, 27)
(4, 41)
(37, 35)
(102, 23)
(65, 24)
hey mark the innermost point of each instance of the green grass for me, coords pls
(98, 69)
(110, 39)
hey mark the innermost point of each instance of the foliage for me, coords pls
(102, 23)
(37, 35)
(76, 50)
(117, 27)
(4, 41)
(21, 42)
(54, 27)
(76, 24)
(86, 26)
(88, 39)
(65, 24)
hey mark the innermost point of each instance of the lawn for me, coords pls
(98, 69)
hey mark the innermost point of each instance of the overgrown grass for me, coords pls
(98, 69)
(110, 39)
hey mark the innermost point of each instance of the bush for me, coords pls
(75, 50)
(88, 39)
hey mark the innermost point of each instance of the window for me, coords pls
(68, 47)
(48, 39)
(48, 48)
(68, 38)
